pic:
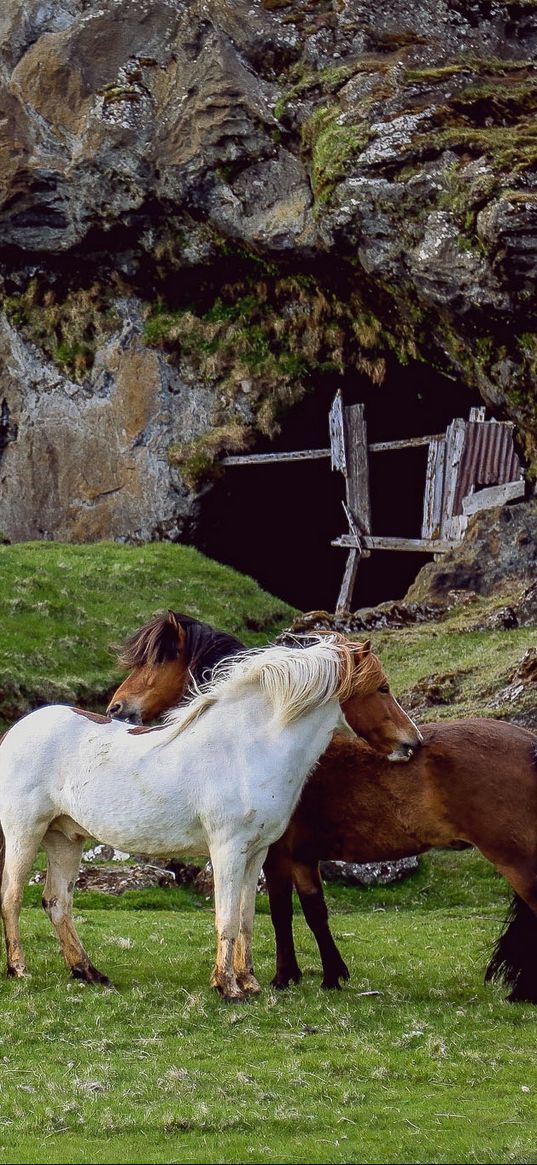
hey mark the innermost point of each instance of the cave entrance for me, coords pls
(276, 521)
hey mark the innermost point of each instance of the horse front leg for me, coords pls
(229, 866)
(244, 969)
(309, 886)
(63, 864)
(278, 869)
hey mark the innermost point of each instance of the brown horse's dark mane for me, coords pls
(156, 642)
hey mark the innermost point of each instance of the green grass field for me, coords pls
(432, 1067)
(414, 1061)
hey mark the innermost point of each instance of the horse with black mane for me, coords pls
(472, 780)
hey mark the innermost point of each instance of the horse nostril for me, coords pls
(113, 709)
(408, 749)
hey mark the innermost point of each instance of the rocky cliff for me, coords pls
(205, 205)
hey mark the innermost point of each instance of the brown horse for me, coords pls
(473, 779)
(163, 657)
(173, 649)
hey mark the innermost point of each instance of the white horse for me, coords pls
(222, 776)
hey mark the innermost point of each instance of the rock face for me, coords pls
(205, 204)
(500, 547)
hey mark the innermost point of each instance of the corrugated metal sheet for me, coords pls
(488, 458)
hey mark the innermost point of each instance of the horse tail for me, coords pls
(514, 958)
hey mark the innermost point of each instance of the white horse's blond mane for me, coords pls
(294, 679)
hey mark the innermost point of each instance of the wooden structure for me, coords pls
(472, 466)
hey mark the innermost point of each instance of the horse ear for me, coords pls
(363, 649)
(173, 620)
(177, 627)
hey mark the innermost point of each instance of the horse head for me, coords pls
(373, 712)
(164, 657)
(159, 672)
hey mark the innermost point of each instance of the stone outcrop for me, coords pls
(499, 548)
(204, 204)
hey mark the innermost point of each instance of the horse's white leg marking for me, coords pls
(63, 857)
(17, 865)
(243, 950)
(229, 866)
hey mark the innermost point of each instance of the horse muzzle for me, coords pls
(121, 711)
(404, 751)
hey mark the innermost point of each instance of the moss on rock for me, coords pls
(68, 327)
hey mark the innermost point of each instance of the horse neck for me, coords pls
(244, 724)
(299, 744)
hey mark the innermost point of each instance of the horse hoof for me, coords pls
(331, 982)
(249, 984)
(283, 979)
(331, 978)
(18, 973)
(89, 974)
(231, 994)
(228, 987)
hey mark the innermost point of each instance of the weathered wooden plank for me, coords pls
(355, 533)
(272, 458)
(434, 488)
(357, 480)
(347, 583)
(337, 435)
(477, 413)
(374, 542)
(336, 452)
(404, 443)
(493, 495)
(455, 436)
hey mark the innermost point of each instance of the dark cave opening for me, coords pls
(276, 522)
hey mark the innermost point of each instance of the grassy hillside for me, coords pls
(62, 607)
(463, 665)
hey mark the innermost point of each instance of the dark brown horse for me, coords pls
(163, 657)
(474, 780)
(173, 649)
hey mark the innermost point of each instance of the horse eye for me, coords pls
(384, 688)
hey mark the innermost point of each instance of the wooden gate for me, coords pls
(470, 467)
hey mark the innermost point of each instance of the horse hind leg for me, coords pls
(278, 872)
(63, 858)
(16, 857)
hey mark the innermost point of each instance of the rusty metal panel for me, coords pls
(488, 458)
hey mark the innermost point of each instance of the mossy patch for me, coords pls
(331, 143)
(68, 328)
(262, 342)
(199, 459)
(511, 148)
